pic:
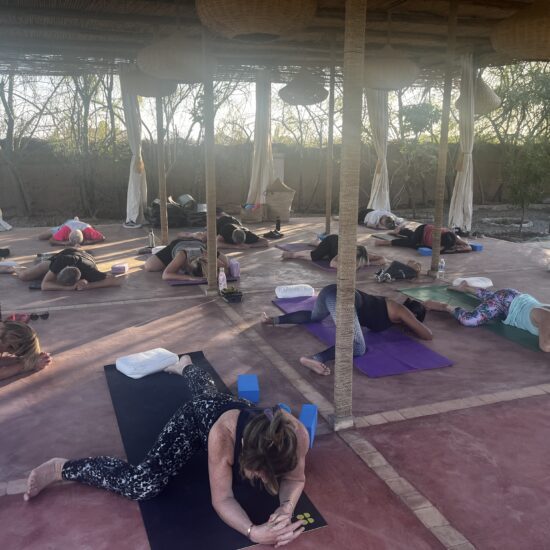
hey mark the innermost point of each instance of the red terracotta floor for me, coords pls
(484, 468)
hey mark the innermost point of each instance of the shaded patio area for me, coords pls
(412, 474)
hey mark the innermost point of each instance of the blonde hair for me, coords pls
(22, 341)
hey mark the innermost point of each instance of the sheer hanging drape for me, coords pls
(137, 182)
(377, 105)
(262, 163)
(461, 208)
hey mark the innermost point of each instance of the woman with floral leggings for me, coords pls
(510, 306)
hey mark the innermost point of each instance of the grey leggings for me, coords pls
(325, 306)
(185, 434)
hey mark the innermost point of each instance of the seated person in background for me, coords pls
(65, 234)
(70, 269)
(232, 232)
(507, 305)
(327, 249)
(378, 219)
(20, 350)
(421, 234)
(183, 259)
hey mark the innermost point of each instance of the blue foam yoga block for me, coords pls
(248, 387)
(308, 417)
(424, 251)
(476, 247)
(285, 407)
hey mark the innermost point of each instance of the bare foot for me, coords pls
(44, 475)
(180, 366)
(315, 366)
(266, 319)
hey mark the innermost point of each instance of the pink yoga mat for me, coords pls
(175, 282)
(389, 352)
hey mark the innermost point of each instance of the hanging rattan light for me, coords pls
(303, 89)
(139, 83)
(175, 58)
(485, 98)
(390, 70)
(255, 20)
(525, 35)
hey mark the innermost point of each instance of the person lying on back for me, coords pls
(70, 269)
(73, 232)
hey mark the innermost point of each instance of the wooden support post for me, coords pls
(210, 171)
(444, 140)
(330, 144)
(354, 50)
(162, 173)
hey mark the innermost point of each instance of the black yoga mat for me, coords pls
(182, 515)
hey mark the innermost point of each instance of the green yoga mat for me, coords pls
(458, 299)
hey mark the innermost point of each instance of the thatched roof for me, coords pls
(81, 36)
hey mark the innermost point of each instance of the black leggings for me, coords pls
(185, 434)
(413, 239)
(327, 249)
(325, 305)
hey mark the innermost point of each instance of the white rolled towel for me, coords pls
(476, 282)
(144, 363)
(294, 291)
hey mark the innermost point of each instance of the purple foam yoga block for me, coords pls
(248, 387)
(308, 417)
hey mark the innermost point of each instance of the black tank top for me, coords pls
(372, 312)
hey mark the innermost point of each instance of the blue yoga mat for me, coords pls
(389, 352)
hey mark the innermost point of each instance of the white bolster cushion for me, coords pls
(141, 364)
(294, 291)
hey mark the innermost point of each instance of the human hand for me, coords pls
(283, 511)
(277, 533)
(43, 360)
(81, 284)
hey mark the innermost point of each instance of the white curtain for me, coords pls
(262, 163)
(377, 106)
(460, 211)
(137, 182)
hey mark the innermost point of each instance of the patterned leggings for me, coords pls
(325, 305)
(185, 434)
(494, 306)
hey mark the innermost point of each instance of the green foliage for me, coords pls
(420, 117)
(528, 171)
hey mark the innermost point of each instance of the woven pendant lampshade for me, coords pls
(304, 89)
(139, 83)
(525, 35)
(485, 98)
(255, 20)
(173, 58)
(390, 70)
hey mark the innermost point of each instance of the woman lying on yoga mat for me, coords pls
(20, 350)
(378, 219)
(243, 443)
(72, 233)
(421, 234)
(377, 313)
(327, 249)
(183, 259)
(507, 305)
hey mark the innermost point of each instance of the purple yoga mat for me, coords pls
(297, 247)
(203, 281)
(389, 352)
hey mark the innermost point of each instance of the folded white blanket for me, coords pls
(476, 282)
(141, 364)
(294, 291)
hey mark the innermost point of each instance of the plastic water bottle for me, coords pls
(441, 268)
(277, 224)
(151, 239)
(222, 280)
